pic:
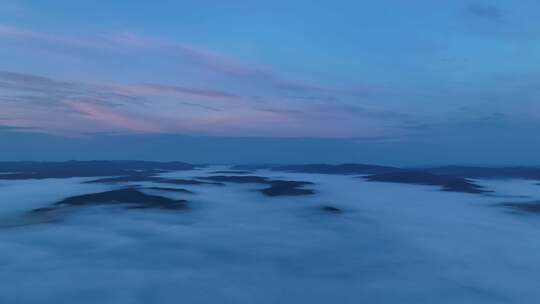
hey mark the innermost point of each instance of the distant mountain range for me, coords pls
(39, 170)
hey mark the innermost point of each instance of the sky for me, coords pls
(394, 82)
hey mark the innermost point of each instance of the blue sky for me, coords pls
(446, 81)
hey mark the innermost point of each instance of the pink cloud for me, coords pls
(106, 116)
(181, 91)
(85, 107)
(152, 107)
(51, 39)
(210, 60)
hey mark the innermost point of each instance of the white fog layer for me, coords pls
(379, 243)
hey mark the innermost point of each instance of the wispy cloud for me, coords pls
(183, 91)
(262, 103)
(105, 116)
(68, 107)
(218, 63)
(486, 11)
(209, 60)
(48, 40)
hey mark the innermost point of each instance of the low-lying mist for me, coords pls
(350, 241)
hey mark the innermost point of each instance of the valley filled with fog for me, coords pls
(218, 236)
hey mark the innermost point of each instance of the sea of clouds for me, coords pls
(392, 243)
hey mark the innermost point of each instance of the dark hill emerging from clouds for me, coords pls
(458, 171)
(275, 187)
(449, 178)
(524, 207)
(131, 198)
(488, 172)
(447, 182)
(337, 169)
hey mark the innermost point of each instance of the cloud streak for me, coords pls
(68, 107)
(103, 115)
(486, 11)
(204, 58)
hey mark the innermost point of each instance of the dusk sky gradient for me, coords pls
(397, 82)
